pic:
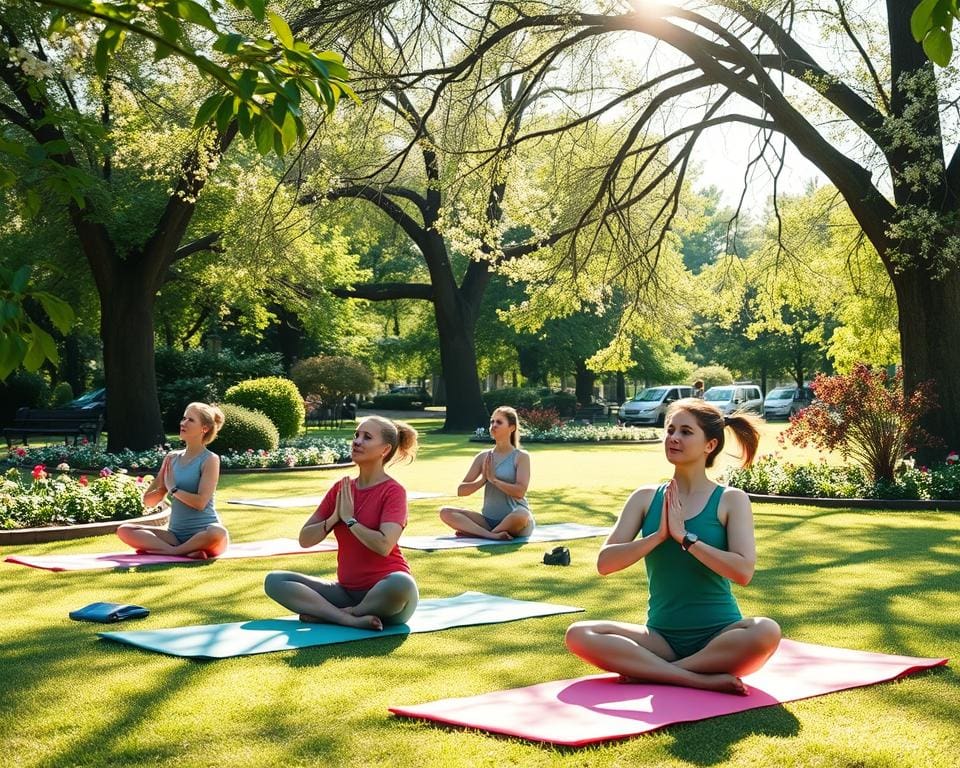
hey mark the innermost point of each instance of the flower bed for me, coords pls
(769, 475)
(580, 433)
(59, 499)
(293, 452)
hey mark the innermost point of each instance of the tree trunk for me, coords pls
(458, 357)
(585, 379)
(930, 348)
(126, 329)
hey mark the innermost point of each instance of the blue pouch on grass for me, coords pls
(106, 613)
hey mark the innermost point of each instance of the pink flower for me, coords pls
(39, 472)
(139, 480)
(63, 467)
(84, 441)
(953, 457)
(106, 472)
(21, 452)
(291, 461)
(83, 480)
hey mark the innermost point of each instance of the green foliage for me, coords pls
(262, 81)
(22, 340)
(515, 397)
(245, 429)
(398, 402)
(62, 394)
(712, 376)
(274, 396)
(866, 417)
(22, 390)
(59, 499)
(331, 378)
(931, 24)
(563, 403)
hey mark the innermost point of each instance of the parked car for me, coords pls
(783, 402)
(736, 397)
(649, 406)
(411, 390)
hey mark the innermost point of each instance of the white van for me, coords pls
(649, 406)
(736, 397)
(784, 402)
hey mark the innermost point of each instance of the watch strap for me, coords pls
(351, 522)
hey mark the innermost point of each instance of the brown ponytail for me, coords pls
(400, 436)
(745, 426)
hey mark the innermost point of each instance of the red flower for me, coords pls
(83, 480)
(21, 452)
(39, 472)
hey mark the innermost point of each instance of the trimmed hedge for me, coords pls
(399, 402)
(244, 429)
(517, 397)
(562, 402)
(277, 398)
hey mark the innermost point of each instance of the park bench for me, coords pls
(69, 422)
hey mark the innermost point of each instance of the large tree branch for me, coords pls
(386, 291)
(205, 243)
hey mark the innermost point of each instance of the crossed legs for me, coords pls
(392, 600)
(464, 521)
(212, 541)
(640, 654)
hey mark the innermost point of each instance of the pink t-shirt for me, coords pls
(359, 567)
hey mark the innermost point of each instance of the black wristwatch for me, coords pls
(351, 522)
(689, 539)
(173, 491)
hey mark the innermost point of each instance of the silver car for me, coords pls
(736, 397)
(649, 406)
(784, 402)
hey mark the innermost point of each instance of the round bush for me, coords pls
(331, 378)
(62, 394)
(244, 428)
(516, 397)
(712, 376)
(22, 390)
(563, 403)
(278, 398)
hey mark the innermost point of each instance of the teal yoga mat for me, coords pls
(244, 638)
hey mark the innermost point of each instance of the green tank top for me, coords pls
(684, 593)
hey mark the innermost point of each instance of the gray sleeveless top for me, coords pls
(186, 521)
(496, 504)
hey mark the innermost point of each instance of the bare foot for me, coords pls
(719, 683)
(308, 619)
(200, 554)
(368, 622)
(501, 536)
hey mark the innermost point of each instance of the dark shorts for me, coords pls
(686, 642)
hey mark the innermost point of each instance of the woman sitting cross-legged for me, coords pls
(367, 515)
(694, 537)
(504, 474)
(189, 477)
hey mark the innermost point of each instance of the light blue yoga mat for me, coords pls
(542, 533)
(243, 638)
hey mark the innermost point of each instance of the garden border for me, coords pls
(49, 533)
(920, 505)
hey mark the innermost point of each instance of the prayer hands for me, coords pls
(344, 507)
(673, 513)
(488, 469)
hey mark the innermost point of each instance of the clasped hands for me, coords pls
(343, 510)
(672, 523)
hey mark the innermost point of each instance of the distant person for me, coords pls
(367, 515)
(504, 474)
(694, 537)
(698, 388)
(189, 477)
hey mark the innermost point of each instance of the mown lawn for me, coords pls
(884, 581)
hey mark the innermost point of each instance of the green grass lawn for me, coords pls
(883, 581)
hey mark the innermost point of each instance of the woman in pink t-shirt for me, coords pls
(367, 515)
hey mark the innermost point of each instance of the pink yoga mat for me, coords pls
(599, 708)
(94, 562)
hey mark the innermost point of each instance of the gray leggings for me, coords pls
(394, 598)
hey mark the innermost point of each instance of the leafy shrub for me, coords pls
(563, 403)
(244, 428)
(516, 397)
(392, 402)
(58, 499)
(62, 394)
(276, 397)
(580, 433)
(331, 378)
(22, 390)
(712, 376)
(539, 418)
(866, 417)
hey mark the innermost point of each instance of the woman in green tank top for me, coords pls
(694, 537)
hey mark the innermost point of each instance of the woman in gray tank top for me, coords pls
(504, 474)
(189, 477)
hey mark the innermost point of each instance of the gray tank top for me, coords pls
(186, 521)
(496, 504)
